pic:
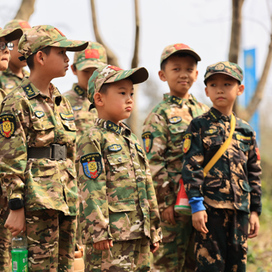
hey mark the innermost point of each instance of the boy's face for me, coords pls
(4, 56)
(223, 90)
(56, 63)
(14, 57)
(83, 76)
(117, 103)
(180, 74)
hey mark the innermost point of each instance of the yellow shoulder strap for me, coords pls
(222, 149)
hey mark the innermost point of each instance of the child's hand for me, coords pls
(102, 245)
(199, 220)
(154, 247)
(254, 225)
(16, 222)
(168, 215)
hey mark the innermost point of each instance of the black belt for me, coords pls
(53, 152)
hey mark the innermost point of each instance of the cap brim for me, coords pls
(11, 34)
(70, 45)
(190, 52)
(219, 72)
(88, 64)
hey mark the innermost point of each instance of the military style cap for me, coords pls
(93, 56)
(109, 74)
(11, 34)
(178, 47)
(17, 23)
(224, 67)
(39, 37)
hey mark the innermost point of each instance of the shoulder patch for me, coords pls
(175, 119)
(76, 108)
(139, 148)
(79, 90)
(39, 114)
(147, 141)
(7, 125)
(29, 90)
(115, 147)
(67, 116)
(92, 165)
(186, 142)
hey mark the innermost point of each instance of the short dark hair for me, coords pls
(180, 55)
(30, 59)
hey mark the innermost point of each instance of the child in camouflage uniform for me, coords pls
(6, 36)
(37, 143)
(85, 62)
(222, 200)
(120, 217)
(12, 77)
(162, 137)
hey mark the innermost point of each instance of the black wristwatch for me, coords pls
(16, 204)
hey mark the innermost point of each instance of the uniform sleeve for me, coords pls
(155, 144)
(192, 170)
(254, 172)
(94, 211)
(13, 146)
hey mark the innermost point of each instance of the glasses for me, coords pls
(3, 45)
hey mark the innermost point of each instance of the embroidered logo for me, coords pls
(115, 147)
(39, 114)
(67, 116)
(186, 143)
(139, 148)
(7, 125)
(147, 141)
(29, 90)
(92, 165)
(175, 119)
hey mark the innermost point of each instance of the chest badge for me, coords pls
(92, 165)
(115, 147)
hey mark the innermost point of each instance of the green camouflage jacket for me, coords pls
(8, 80)
(118, 197)
(163, 131)
(84, 119)
(234, 181)
(30, 119)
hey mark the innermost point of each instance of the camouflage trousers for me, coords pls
(124, 256)
(51, 241)
(176, 252)
(5, 236)
(224, 247)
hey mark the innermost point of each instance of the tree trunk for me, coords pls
(235, 34)
(112, 59)
(25, 10)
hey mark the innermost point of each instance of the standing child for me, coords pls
(119, 207)
(162, 137)
(13, 76)
(37, 144)
(6, 36)
(85, 62)
(223, 197)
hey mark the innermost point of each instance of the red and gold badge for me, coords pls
(186, 143)
(7, 125)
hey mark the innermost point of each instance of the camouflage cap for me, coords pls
(224, 67)
(17, 23)
(109, 74)
(93, 56)
(178, 47)
(11, 34)
(41, 36)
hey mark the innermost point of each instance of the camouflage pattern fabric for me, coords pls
(163, 131)
(224, 67)
(132, 255)
(51, 240)
(178, 48)
(11, 34)
(17, 23)
(39, 37)
(224, 247)
(84, 119)
(8, 81)
(118, 197)
(234, 181)
(31, 119)
(93, 56)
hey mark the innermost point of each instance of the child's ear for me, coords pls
(98, 99)
(162, 75)
(241, 89)
(39, 56)
(74, 69)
